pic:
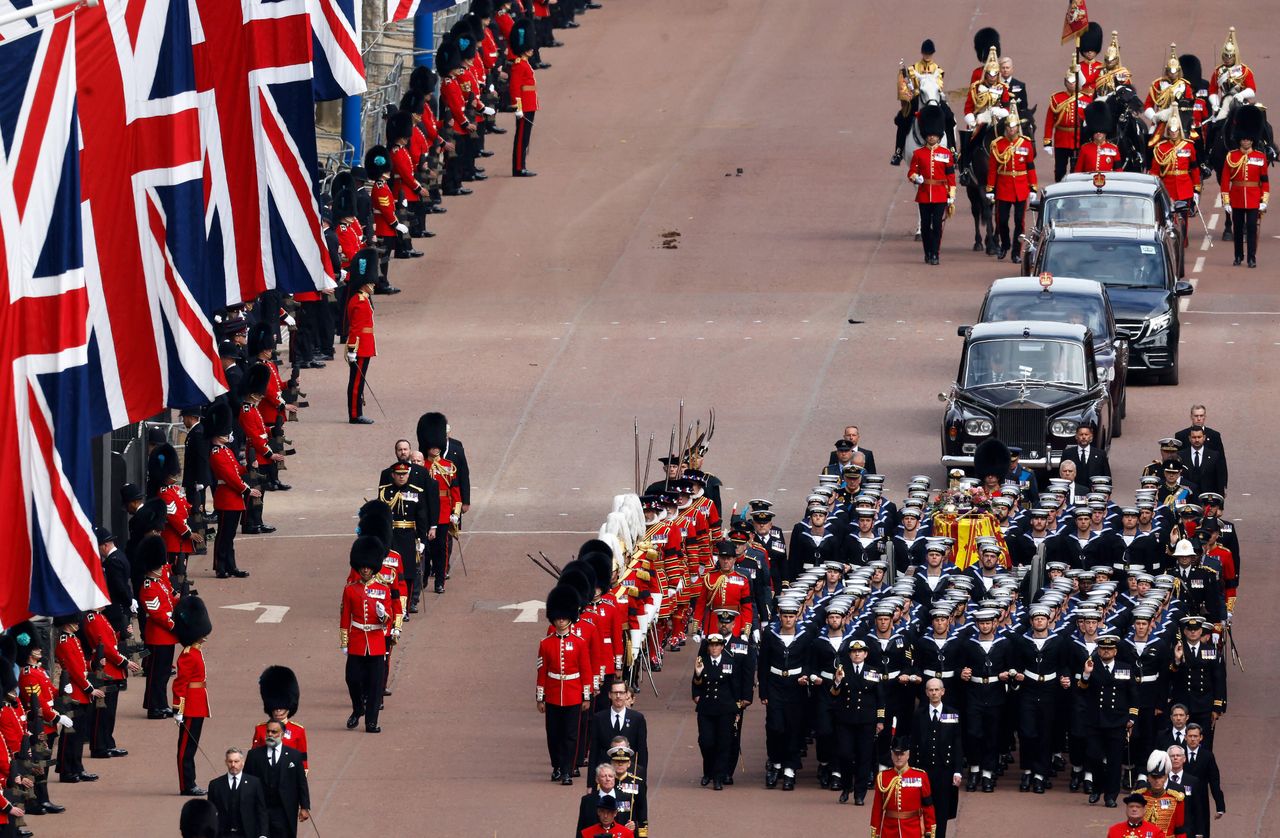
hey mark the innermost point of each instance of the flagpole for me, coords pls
(1075, 155)
(40, 8)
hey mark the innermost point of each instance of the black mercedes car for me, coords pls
(1029, 383)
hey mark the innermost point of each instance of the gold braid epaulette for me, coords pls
(893, 783)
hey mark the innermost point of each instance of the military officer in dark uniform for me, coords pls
(858, 707)
(1199, 675)
(783, 655)
(415, 509)
(1110, 712)
(937, 751)
(770, 539)
(719, 691)
(1038, 657)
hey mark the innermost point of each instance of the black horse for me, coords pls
(1219, 137)
(975, 181)
(1129, 132)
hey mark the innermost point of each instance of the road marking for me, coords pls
(1199, 266)
(1206, 244)
(1213, 221)
(1217, 200)
(1267, 313)
(270, 613)
(528, 610)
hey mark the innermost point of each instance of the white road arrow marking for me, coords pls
(528, 610)
(270, 613)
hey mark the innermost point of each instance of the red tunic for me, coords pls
(294, 737)
(75, 664)
(455, 103)
(418, 145)
(99, 631)
(176, 532)
(937, 166)
(13, 726)
(256, 450)
(1175, 162)
(1011, 174)
(189, 692)
(157, 600)
(903, 805)
(1244, 175)
(1090, 70)
(34, 681)
(1143, 830)
(384, 209)
(228, 485)
(406, 184)
(1060, 127)
(360, 326)
(617, 830)
(364, 630)
(272, 404)
(1245, 79)
(524, 88)
(1098, 157)
(724, 590)
(505, 23)
(350, 235)
(445, 474)
(488, 50)
(564, 670)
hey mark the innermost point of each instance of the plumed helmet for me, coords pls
(342, 192)
(991, 458)
(423, 80)
(602, 565)
(432, 432)
(199, 819)
(580, 577)
(367, 553)
(377, 161)
(412, 102)
(375, 520)
(256, 380)
(932, 121)
(151, 553)
(219, 421)
(523, 38)
(261, 338)
(448, 57)
(364, 268)
(1173, 66)
(563, 603)
(1192, 71)
(399, 127)
(279, 689)
(191, 620)
(983, 40)
(1091, 38)
(1230, 49)
(1249, 123)
(1097, 118)
(1157, 764)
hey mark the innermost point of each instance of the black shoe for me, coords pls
(25, 833)
(194, 791)
(1109, 802)
(413, 609)
(436, 209)
(388, 290)
(524, 173)
(964, 178)
(117, 752)
(705, 781)
(717, 785)
(1253, 263)
(594, 6)
(372, 729)
(484, 152)
(771, 777)
(461, 190)
(971, 784)
(554, 44)
(566, 780)
(51, 809)
(352, 721)
(1037, 786)
(277, 486)
(159, 714)
(935, 260)
(99, 755)
(1004, 251)
(360, 420)
(497, 129)
(860, 799)
(571, 24)
(1088, 788)
(218, 575)
(314, 365)
(386, 691)
(896, 160)
(405, 254)
(542, 65)
(555, 775)
(439, 589)
(1095, 797)
(788, 783)
(69, 778)
(1235, 263)
(1025, 783)
(844, 795)
(988, 785)
(479, 175)
(1016, 259)
(728, 781)
(1075, 781)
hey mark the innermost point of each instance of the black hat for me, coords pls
(191, 620)
(278, 687)
(261, 338)
(24, 638)
(377, 160)
(413, 102)
(900, 744)
(399, 127)
(602, 566)
(220, 419)
(199, 819)
(991, 458)
(343, 194)
(1091, 38)
(228, 349)
(843, 444)
(579, 576)
(256, 380)
(130, 492)
(367, 553)
(926, 47)
(1108, 641)
(150, 517)
(482, 8)
(1172, 465)
(594, 545)
(423, 80)
(726, 549)
(522, 38)
(162, 462)
(432, 431)
(364, 268)
(374, 519)
(1192, 71)
(155, 435)
(1135, 800)
(983, 40)
(72, 618)
(563, 603)
(606, 802)
(103, 535)
(464, 38)
(1249, 123)
(448, 58)
(932, 121)
(151, 554)
(1097, 118)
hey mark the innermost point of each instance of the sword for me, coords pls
(1200, 215)
(1235, 653)
(375, 395)
(453, 533)
(183, 725)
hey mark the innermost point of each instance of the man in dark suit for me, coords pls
(620, 720)
(1212, 438)
(936, 749)
(1203, 764)
(196, 477)
(284, 782)
(852, 435)
(1091, 461)
(1176, 732)
(238, 797)
(1205, 467)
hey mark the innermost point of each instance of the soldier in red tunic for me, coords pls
(564, 681)
(361, 346)
(164, 481)
(1231, 77)
(1061, 129)
(280, 693)
(229, 491)
(78, 694)
(1090, 66)
(366, 611)
(1011, 175)
(37, 694)
(157, 601)
(933, 171)
(984, 40)
(1246, 186)
(259, 459)
(1173, 159)
(342, 193)
(433, 438)
(116, 668)
(524, 94)
(190, 688)
(903, 802)
(392, 233)
(1099, 154)
(272, 406)
(724, 588)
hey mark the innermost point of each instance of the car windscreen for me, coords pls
(1055, 308)
(1123, 263)
(1016, 359)
(1100, 209)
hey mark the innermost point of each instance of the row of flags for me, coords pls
(157, 163)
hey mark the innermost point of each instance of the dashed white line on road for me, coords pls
(1206, 244)
(1199, 266)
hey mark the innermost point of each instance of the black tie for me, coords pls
(935, 715)
(1084, 457)
(617, 723)
(1195, 459)
(271, 755)
(1192, 761)
(1177, 779)
(235, 783)
(1178, 738)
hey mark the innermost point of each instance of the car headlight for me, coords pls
(1063, 427)
(978, 427)
(1159, 322)
(1104, 373)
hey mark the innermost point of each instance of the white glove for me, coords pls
(402, 228)
(999, 113)
(178, 717)
(917, 178)
(1048, 151)
(991, 197)
(395, 634)
(381, 611)
(1262, 207)
(697, 638)
(488, 111)
(970, 120)
(755, 635)
(1245, 95)
(67, 689)
(453, 519)
(351, 356)
(519, 114)
(133, 607)
(493, 89)
(1226, 208)
(65, 722)
(951, 202)
(1214, 101)
(289, 321)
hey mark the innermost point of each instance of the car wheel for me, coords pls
(1170, 376)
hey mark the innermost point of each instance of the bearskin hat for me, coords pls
(374, 520)
(364, 268)
(1193, 72)
(423, 80)
(162, 462)
(191, 620)
(261, 338)
(413, 102)
(563, 603)
(523, 38)
(991, 458)
(1249, 123)
(482, 8)
(256, 380)
(432, 432)
(199, 819)
(1091, 38)
(151, 553)
(983, 40)
(448, 58)
(464, 40)
(342, 192)
(24, 639)
(399, 127)
(70, 618)
(579, 576)
(602, 565)
(1097, 118)
(377, 161)
(932, 121)
(150, 517)
(220, 419)
(367, 553)
(279, 689)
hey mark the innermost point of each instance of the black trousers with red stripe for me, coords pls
(355, 387)
(71, 743)
(188, 743)
(158, 664)
(520, 142)
(102, 724)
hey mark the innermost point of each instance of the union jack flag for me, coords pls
(335, 32)
(151, 289)
(254, 74)
(405, 9)
(48, 556)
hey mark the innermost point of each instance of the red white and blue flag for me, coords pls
(48, 556)
(253, 71)
(335, 33)
(405, 9)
